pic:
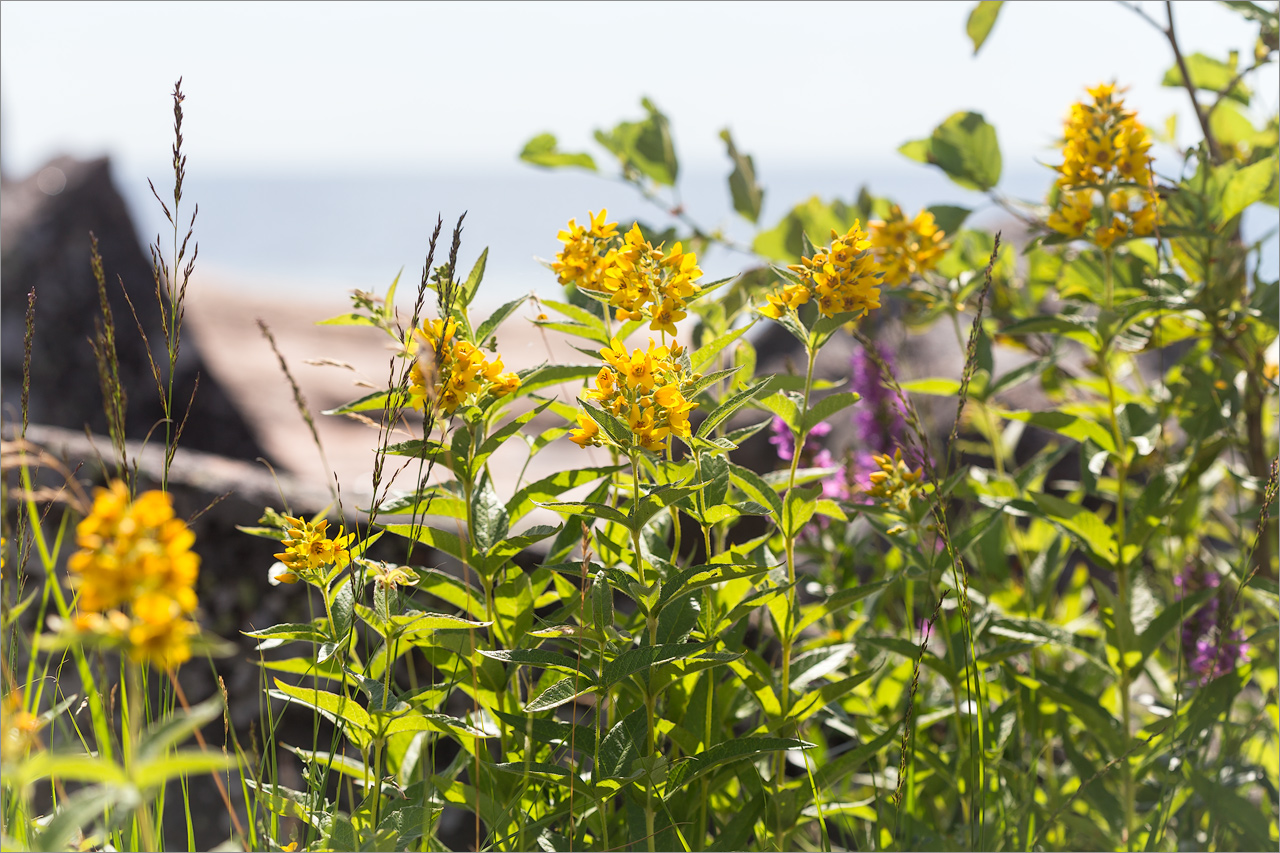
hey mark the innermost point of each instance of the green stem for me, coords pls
(1122, 568)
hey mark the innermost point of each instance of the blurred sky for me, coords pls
(309, 88)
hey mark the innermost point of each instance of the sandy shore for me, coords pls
(336, 364)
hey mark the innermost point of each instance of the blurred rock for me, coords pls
(45, 221)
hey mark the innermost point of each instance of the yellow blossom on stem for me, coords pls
(451, 371)
(638, 280)
(308, 548)
(135, 575)
(843, 278)
(895, 485)
(906, 248)
(1105, 147)
(643, 388)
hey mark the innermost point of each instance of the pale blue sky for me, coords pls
(323, 88)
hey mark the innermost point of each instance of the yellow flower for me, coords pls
(843, 277)
(905, 249)
(641, 282)
(895, 485)
(135, 555)
(19, 729)
(451, 371)
(585, 435)
(308, 548)
(1104, 145)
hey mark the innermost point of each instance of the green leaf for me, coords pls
(489, 516)
(636, 660)
(543, 151)
(349, 319)
(545, 659)
(564, 690)
(798, 509)
(489, 326)
(1079, 329)
(79, 811)
(616, 430)
(1209, 74)
(333, 707)
(1247, 186)
(936, 386)
(750, 483)
(697, 577)
(981, 20)
(553, 486)
(965, 147)
(552, 732)
(591, 509)
(545, 375)
(828, 406)
(441, 540)
(737, 749)
(170, 732)
(702, 356)
(838, 600)
(472, 283)
(1071, 426)
(1091, 531)
(949, 217)
(726, 409)
(644, 146)
(747, 194)
(343, 605)
(917, 149)
(310, 632)
(187, 762)
(377, 401)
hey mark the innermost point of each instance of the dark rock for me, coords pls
(45, 221)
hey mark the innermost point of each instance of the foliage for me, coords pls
(1046, 625)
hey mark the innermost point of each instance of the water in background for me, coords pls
(325, 235)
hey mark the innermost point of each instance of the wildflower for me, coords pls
(451, 371)
(585, 435)
(644, 388)
(308, 548)
(18, 731)
(877, 420)
(906, 249)
(390, 576)
(1208, 648)
(843, 278)
(135, 556)
(895, 485)
(638, 280)
(1104, 145)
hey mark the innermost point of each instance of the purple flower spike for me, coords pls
(876, 417)
(782, 439)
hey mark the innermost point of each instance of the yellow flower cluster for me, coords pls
(645, 389)
(308, 549)
(19, 729)
(458, 368)
(641, 281)
(906, 248)
(842, 278)
(1105, 150)
(135, 556)
(895, 484)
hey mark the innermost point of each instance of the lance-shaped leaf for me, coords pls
(638, 659)
(543, 150)
(726, 409)
(337, 709)
(828, 406)
(542, 658)
(722, 753)
(564, 690)
(748, 197)
(981, 20)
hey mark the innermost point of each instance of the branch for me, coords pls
(1201, 116)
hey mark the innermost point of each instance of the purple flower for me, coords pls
(782, 439)
(876, 417)
(1209, 649)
